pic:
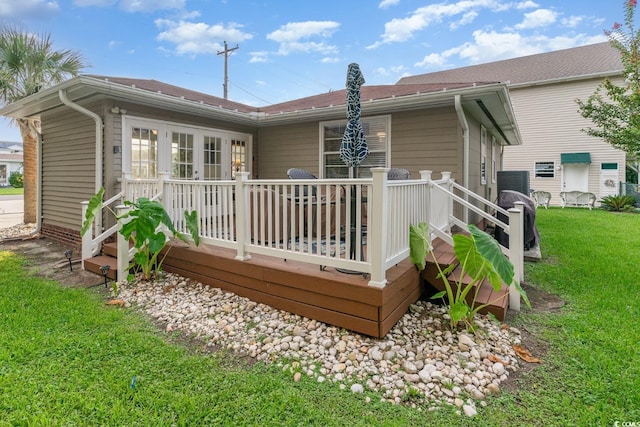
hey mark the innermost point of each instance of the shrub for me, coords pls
(16, 180)
(623, 203)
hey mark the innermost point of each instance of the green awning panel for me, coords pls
(575, 158)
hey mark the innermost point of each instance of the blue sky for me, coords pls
(290, 49)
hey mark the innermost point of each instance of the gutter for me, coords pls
(465, 133)
(99, 145)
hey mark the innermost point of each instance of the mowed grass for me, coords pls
(67, 359)
(10, 191)
(591, 374)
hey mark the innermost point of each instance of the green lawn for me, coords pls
(6, 191)
(66, 359)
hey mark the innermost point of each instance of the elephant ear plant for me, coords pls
(479, 257)
(149, 227)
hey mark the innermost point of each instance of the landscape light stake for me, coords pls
(68, 254)
(104, 269)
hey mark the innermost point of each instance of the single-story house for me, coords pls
(262, 233)
(97, 129)
(555, 151)
(10, 160)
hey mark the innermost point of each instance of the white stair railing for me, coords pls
(515, 228)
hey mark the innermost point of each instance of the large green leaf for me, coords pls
(458, 310)
(95, 206)
(157, 242)
(419, 244)
(473, 263)
(192, 225)
(490, 250)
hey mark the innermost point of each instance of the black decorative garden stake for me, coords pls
(104, 269)
(68, 254)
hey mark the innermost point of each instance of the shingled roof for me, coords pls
(156, 86)
(367, 93)
(584, 61)
(329, 99)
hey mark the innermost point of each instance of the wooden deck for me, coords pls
(344, 300)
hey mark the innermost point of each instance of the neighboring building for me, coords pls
(557, 153)
(10, 160)
(96, 128)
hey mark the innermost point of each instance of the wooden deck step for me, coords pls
(94, 264)
(110, 249)
(497, 300)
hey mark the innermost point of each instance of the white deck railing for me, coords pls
(360, 225)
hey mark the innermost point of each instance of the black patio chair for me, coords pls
(397, 174)
(295, 173)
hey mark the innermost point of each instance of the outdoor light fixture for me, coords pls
(104, 269)
(68, 254)
(237, 164)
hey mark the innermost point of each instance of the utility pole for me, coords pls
(226, 52)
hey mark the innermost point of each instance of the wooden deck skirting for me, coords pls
(344, 300)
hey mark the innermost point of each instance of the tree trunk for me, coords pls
(30, 168)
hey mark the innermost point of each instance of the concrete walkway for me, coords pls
(11, 211)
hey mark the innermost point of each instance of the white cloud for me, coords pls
(330, 60)
(467, 18)
(527, 5)
(294, 35)
(257, 57)
(537, 18)
(194, 38)
(41, 9)
(433, 60)
(489, 46)
(384, 4)
(403, 29)
(572, 21)
(150, 5)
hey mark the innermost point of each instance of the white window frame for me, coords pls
(545, 162)
(164, 154)
(494, 160)
(483, 155)
(383, 141)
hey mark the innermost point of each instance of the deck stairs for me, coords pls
(108, 256)
(444, 256)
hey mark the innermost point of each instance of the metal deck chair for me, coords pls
(396, 174)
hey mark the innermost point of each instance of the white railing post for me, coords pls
(126, 179)
(162, 177)
(242, 215)
(516, 251)
(87, 238)
(446, 176)
(425, 175)
(123, 246)
(377, 228)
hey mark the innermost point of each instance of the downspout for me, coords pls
(99, 146)
(32, 127)
(465, 165)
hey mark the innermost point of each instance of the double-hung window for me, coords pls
(545, 170)
(377, 131)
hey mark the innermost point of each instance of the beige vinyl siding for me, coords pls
(550, 124)
(426, 140)
(292, 146)
(423, 139)
(68, 166)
